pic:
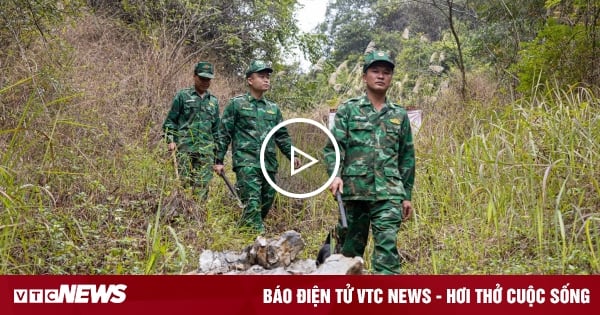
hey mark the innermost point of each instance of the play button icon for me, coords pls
(304, 166)
(306, 159)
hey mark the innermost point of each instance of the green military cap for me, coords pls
(258, 66)
(375, 56)
(205, 69)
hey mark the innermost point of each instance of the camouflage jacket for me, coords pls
(193, 122)
(377, 157)
(245, 123)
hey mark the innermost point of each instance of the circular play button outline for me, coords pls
(264, 147)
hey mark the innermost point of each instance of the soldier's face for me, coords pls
(260, 81)
(378, 77)
(201, 84)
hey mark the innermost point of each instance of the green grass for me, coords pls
(512, 191)
(515, 195)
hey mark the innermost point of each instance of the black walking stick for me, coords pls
(231, 189)
(325, 250)
(340, 202)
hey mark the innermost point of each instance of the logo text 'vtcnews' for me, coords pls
(73, 293)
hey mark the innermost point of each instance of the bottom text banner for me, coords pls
(289, 295)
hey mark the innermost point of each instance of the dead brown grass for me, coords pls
(85, 127)
(125, 78)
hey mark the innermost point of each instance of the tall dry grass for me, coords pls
(509, 188)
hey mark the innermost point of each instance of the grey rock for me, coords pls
(275, 257)
(338, 264)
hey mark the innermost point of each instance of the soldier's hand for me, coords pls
(297, 163)
(172, 146)
(407, 210)
(337, 185)
(218, 168)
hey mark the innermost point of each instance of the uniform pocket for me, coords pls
(357, 180)
(247, 114)
(247, 120)
(391, 172)
(393, 181)
(270, 117)
(361, 132)
(206, 112)
(360, 125)
(355, 170)
(270, 120)
(189, 108)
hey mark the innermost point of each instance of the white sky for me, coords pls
(311, 15)
(308, 17)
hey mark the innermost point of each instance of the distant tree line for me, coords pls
(524, 41)
(234, 30)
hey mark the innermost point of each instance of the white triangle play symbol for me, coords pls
(305, 166)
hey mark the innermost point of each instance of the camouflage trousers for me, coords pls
(195, 170)
(256, 194)
(384, 218)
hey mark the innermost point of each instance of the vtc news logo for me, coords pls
(73, 293)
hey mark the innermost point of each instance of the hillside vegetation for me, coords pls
(506, 183)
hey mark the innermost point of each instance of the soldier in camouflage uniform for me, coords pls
(246, 121)
(191, 128)
(377, 167)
